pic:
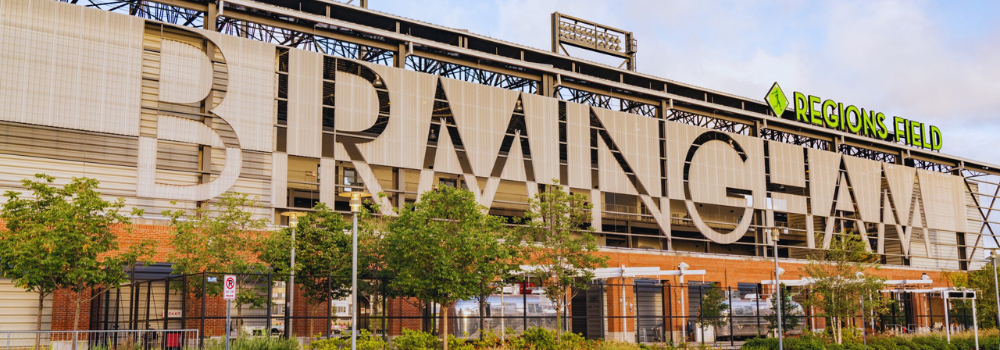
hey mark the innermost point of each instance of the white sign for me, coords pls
(229, 287)
(174, 313)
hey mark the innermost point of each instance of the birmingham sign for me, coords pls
(392, 117)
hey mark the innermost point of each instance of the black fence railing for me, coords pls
(647, 311)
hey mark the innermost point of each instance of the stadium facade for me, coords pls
(297, 101)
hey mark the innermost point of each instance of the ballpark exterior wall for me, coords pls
(160, 113)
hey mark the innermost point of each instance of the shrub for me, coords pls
(366, 341)
(760, 344)
(959, 341)
(540, 338)
(459, 344)
(416, 340)
(255, 343)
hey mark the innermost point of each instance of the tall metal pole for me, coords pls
(228, 307)
(996, 284)
(864, 332)
(947, 319)
(683, 291)
(355, 208)
(777, 286)
(289, 310)
(354, 285)
(975, 323)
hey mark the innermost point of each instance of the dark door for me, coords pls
(578, 312)
(649, 310)
(595, 311)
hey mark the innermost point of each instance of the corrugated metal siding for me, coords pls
(20, 308)
(70, 67)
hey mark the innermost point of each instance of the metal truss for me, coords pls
(469, 74)
(985, 192)
(149, 10)
(709, 122)
(800, 140)
(972, 173)
(604, 101)
(932, 166)
(304, 41)
(868, 154)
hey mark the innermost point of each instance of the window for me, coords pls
(449, 182)
(351, 178)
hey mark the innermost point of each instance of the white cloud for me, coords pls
(893, 56)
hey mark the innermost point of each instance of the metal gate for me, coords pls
(649, 311)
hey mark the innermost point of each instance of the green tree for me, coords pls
(322, 257)
(226, 237)
(842, 281)
(372, 227)
(502, 261)
(438, 246)
(982, 281)
(789, 312)
(66, 238)
(713, 309)
(561, 243)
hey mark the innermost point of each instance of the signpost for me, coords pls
(228, 293)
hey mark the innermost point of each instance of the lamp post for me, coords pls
(293, 221)
(864, 332)
(996, 284)
(355, 203)
(777, 284)
(682, 267)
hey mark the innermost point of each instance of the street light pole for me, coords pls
(355, 208)
(293, 221)
(777, 286)
(354, 282)
(864, 332)
(682, 267)
(291, 288)
(996, 284)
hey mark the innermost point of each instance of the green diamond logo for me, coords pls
(777, 100)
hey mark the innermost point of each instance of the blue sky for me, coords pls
(936, 62)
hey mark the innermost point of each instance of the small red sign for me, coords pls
(229, 287)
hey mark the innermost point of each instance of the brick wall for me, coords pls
(727, 271)
(408, 310)
(64, 310)
(309, 313)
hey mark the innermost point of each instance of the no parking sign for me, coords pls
(228, 293)
(229, 287)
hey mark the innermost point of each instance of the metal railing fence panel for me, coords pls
(148, 339)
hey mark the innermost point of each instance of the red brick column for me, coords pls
(304, 307)
(64, 310)
(621, 324)
(214, 307)
(403, 314)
